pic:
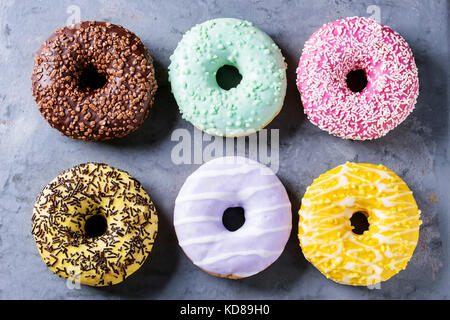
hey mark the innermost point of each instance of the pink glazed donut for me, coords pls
(381, 57)
(228, 183)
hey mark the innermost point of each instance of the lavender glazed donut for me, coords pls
(232, 182)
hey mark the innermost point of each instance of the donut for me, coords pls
(329, 237)
(94, 224)
(357, 79)
(94, 81)
(232, 182)
(241, 110)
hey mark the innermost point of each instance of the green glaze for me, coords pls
(241, 110)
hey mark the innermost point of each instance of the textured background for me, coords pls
(32, 153)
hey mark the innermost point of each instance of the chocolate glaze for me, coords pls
(112, 111)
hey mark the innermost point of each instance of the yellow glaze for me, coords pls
(65, 204)
(325, 230)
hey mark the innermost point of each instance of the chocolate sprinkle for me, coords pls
(61, 211)
(71, 104)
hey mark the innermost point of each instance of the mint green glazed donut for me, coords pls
(242, 110)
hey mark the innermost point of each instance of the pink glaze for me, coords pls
(350, 44)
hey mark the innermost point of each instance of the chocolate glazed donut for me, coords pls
(94, 81)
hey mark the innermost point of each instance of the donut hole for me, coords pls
(228, 77)
(357, 80)
(91, 78)
(95, 226)
(359, 222)
(233, 218)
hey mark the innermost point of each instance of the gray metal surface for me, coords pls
(32, 153)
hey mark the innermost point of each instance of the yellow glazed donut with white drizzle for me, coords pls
(330, 242)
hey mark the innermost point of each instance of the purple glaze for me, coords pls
(233, 182)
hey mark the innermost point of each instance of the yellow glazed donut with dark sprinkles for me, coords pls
(66, 208)
(326, 234)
